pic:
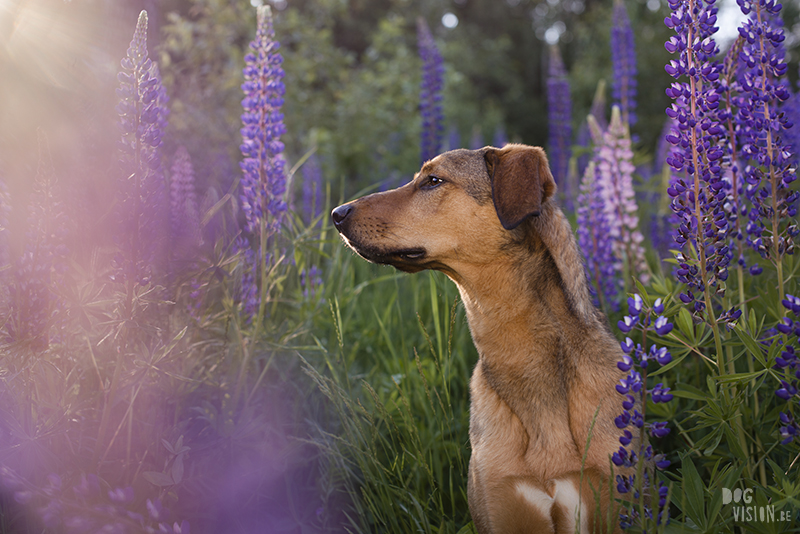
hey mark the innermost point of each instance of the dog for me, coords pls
(543, 387)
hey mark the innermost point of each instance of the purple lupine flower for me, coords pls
(500, 138)
(791, 108)
(249, 291)
(184, 214)
(263, 165)
(734, 205)
(312, 188)
(453, 138)
(430, 94)
(559, 104)
(698, 193)
(594, 238)
(614, 159)
(768, 172)
(40, 269)
(635, 392)
(310, 281)
(142, 112)
(86, 508)
(787, 365)
(476, 141)
(623, 61)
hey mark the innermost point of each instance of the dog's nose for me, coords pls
(340, 214)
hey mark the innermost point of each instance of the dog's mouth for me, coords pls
(413, 254)
(405, 259)
(391, 257)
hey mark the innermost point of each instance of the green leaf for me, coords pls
(158, 479)
(177, 469)
(740, 377)
(733, 442)
(669, 366)
(167, 446)
(694, 491)
(684, 323)
(689, 392)
(714, 440)
(752, 345)
(642, 291)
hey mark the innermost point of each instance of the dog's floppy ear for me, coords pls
(521, 182)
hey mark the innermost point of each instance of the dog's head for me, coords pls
(460, 210)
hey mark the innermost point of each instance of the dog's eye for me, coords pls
(431, 182)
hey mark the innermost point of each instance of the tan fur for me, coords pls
(547, 360)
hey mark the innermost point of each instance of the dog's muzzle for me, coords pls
(405, 259)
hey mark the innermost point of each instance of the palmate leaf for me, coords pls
(158, 479)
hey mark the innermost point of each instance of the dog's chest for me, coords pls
(531, 433)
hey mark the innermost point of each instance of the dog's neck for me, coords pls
(551, 303)
(531, 320)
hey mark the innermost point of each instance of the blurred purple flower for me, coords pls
(250, 295)
(39, 271)
(594, 238)
(476, 141)
(791, 108)
(613, 157)
(311, 281)
(500, 138)
(142, 112)
(787, 365)
(312, 188)
(623, 61)
(263, 165)
(430, 95)
(559, 104)
(184, 214)
(453, 138)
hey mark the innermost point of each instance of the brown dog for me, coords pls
(487, 219)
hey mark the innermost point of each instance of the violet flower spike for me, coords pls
(313, 197)
(768, 171)
(559, 104)
(430, 95)
(632, 422)
(263, 165)
(787, 365)
(594, 239)
(184, 213)
(623, 60)
(41, 267)
(698, 192)
(142, 113)
(613, 156)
